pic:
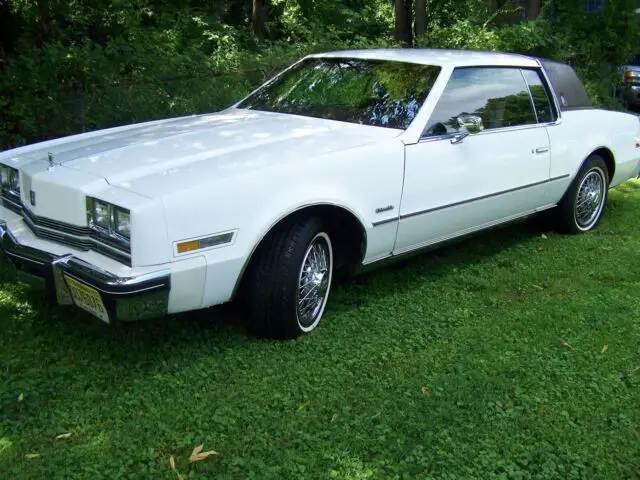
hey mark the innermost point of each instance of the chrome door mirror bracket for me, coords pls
(458, 137)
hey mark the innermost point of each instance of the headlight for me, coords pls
(101, 214)
(108, 219)
(9, 178)
(122, 224)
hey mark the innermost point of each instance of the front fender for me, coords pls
(359, 180)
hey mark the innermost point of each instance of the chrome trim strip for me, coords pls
(483, 197)
(10, 196)
(11, 205)
(26, 258)
(384, 222)
(79, 242)
(450, 238)
(486, 132)
(129, 292)
(62, 227)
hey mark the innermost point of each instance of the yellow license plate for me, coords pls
(87, 298)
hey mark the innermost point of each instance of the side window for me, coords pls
(540, 95)
(499, 96)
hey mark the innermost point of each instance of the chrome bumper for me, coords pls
(124, 298)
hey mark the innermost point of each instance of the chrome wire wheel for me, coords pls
(590, 199)
(314, 282)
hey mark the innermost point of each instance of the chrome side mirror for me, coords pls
(471, 123)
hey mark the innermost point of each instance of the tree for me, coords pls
(403, 30)
(421, 18)
(401, 33)
(533, 9)
(258, 18)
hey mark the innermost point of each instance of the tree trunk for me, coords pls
(421, 18)
(258, 18)
(533, 9)
(401, 30)
(408, 8)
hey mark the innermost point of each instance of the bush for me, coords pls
(107, 63)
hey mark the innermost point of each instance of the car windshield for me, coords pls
(368, 92)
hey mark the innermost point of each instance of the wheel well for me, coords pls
(607, 156)
(348, 236)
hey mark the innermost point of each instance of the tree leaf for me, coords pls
(31, 456)
(197, 450)
(564, 344)
(172, 464)
(64, 436)
(198, 455)
(605, 348)
(21, 397)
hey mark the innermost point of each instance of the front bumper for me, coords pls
(123, 298)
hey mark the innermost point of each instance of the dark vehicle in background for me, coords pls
(630, 89)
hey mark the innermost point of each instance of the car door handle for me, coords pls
(542, 149)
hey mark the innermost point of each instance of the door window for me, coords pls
(499, 96)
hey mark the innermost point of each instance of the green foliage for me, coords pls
(67, 66)
(81, 66)
(463, 34)
(447, 366)
(596, 44)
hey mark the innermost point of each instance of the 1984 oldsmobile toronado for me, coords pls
(342, 160)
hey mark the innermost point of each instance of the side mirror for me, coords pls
(471, 123)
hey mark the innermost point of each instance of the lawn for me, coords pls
(515, 354)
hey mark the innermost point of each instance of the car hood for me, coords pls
(150, 158)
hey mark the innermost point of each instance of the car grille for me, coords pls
(55, 225)
(10, 202)
(82, 238)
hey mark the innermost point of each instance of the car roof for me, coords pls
(432, 56)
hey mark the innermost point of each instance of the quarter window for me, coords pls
(540, 96)
(499, 96)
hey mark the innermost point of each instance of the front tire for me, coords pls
(290, 279)
(582, 206)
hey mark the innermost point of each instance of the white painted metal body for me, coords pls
(243, 171)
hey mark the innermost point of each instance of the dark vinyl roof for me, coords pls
(566, 84)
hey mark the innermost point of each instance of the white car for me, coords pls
(343, 160)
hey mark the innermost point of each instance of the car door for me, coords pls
(455, 184)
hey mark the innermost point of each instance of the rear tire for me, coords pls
(290, 280)
(582, 206)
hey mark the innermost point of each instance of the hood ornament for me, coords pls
(51, 164)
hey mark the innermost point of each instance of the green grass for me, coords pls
(447, 366)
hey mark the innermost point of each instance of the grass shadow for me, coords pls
(228, 323)
(225, 327)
